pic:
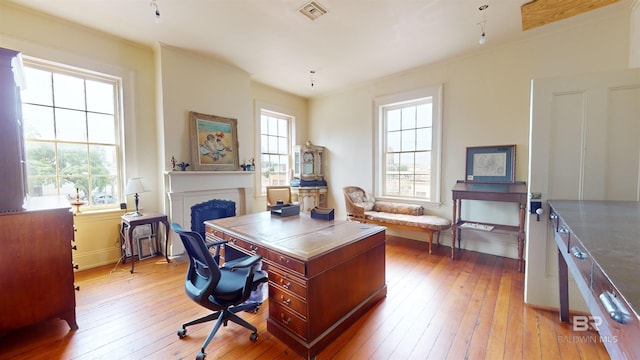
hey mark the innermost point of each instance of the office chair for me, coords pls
(278, 193)
(224, 290)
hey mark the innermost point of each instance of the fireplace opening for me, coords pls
(209, 210)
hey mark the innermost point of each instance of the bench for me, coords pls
(365, 209)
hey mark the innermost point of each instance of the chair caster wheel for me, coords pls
(201, 356)
(253, 336)
(182, 333)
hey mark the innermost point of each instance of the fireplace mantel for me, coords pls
(188, 188)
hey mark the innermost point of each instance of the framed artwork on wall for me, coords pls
(214, 142)
(491, 164)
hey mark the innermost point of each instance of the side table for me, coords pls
(130, 222)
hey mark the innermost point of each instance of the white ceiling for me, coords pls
(355, 42)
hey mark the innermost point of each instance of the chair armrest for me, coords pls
(242, 262)
(216, 243)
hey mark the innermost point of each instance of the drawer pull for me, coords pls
(284, 260)
(286, 321)
(578, 254)
(254, 249)
(286, 302)
(614, 307)
(287, 285)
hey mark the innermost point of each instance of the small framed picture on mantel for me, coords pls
(491, 164)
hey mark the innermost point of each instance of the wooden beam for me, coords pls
(540, 12)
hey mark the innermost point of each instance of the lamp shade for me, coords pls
(135, 186)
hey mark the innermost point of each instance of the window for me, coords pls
(408, 145)
(274, 148)
(70, 119)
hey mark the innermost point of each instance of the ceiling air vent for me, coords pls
(313, 10)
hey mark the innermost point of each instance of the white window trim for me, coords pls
(263, 106)
(120, 82)
(435, 92)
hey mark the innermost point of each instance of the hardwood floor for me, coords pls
(436, 308)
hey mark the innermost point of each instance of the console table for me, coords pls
(130, 222)
(504, 192)
(598, 242)
(323, 275)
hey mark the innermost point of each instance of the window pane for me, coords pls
(409, 117)
(39, 89)
(393, 120)
(73, 160)
(100, 97)
(104, 190)
(424, 115)
(273, 144)
(69, 92)
(393, 141)
(101, 128)
(408, 140)
(70, 125)
(38, 122)
(423, 139)
(103, 160)
(41, 160)
(283, 128)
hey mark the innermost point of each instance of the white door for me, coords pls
(584, 145)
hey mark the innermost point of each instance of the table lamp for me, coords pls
(135, 186)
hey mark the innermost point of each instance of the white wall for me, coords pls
(486, 102)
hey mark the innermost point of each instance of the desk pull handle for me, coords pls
(253, 249)
(286, 286)
(578, 254)
(614, 307)
(284, 259)
(286, 302)
(286, 321)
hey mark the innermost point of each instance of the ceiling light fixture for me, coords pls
(311, 78)
(154, 4)
(483, 36)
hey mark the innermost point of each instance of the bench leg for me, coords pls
(430, 235)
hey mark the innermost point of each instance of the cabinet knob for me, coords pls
(74, 247)
(77, 288)
(75, 266)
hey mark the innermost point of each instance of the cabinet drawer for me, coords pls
(288, 282)
(288, 300)
(288, 319)
(250, 248)
(287, 262)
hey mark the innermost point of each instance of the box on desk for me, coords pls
(322, 213)
(285, 210)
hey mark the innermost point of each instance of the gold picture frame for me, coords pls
(214, 142)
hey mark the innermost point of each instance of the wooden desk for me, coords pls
(323, 275)
(130, 222)
(511, 192)
(598, 242)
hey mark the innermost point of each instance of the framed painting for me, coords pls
(491, 164)
(214, 142)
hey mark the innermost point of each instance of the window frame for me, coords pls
(385, 102)
(118, 126)
(279, 113)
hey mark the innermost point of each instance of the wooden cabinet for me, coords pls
(37, 269)
(309, 197)
(323, 275)
(12, 157)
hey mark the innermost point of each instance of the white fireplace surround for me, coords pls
(188, 188)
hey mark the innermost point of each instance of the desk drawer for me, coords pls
(213, 234)
(248, 247)
(620, 328)
(287, 282)
(288, 319)
(287, 299)
(287, 262)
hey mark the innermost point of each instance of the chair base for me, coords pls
(223, 317)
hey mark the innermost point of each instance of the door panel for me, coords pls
(584, 145)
